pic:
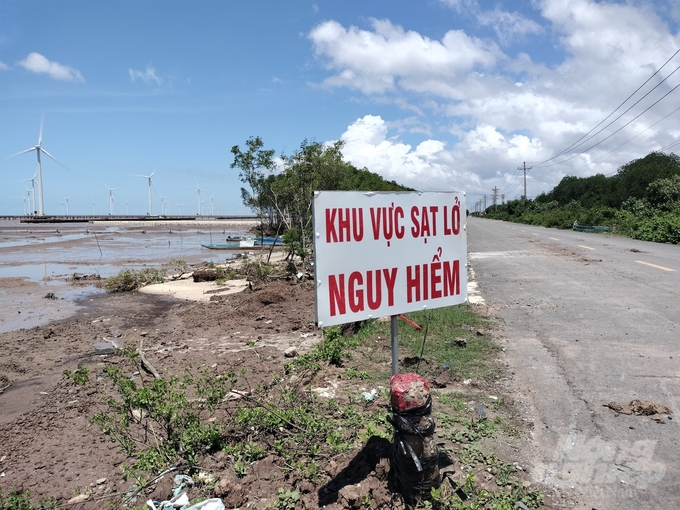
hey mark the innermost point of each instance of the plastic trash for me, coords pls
(177, 501)
(181, 481)
(208, 504)
(370, 395)
(179, 498)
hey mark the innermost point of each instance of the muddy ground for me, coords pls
(49, 447)
(46, 443)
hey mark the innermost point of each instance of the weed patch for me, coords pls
(129, 280)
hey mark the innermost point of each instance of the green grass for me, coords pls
(475, 361)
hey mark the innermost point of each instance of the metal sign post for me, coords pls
(395, 344)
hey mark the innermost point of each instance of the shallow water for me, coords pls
(45, 260)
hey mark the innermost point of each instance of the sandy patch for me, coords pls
(188, 290)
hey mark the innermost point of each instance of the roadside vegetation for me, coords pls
(642, 201)
(185, 420)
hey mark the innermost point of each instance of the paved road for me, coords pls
(589, 319)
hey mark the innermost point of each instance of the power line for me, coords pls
(580, 142)
(626, 124)
(630, 139)
(511, 181)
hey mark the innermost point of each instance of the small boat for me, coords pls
(589, 228)
(245, 244)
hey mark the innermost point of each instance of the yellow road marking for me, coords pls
(655, 266)
(586, 247)
(554, 239)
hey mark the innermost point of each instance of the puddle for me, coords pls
(34, 239)
(44, 273)
(45, 260)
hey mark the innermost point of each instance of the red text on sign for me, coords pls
(360, 291)
(432, 281)
(424, 221)
(385, 221)
(344, 224)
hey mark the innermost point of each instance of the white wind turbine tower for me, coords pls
(66, 198)
(93, 204)
(179, 206)
(111, 190)
(198, 190)
(150, 184)
(38, 149)
(33, 181)
(30, 197)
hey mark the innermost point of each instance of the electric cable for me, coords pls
(630, 139)
(574, 145)
(612, 134)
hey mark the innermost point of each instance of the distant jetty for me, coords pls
(127, 219)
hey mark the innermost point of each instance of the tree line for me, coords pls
(642, 201)
(283, 199)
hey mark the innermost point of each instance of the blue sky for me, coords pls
(436, 94)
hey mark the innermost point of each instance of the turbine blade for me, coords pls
(42, 121)
(22, 152)
(55, 159)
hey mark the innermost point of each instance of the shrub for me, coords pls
(129, 280)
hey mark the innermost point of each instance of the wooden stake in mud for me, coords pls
(395, 344)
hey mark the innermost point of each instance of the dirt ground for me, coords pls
(49, 447)
(46, 443)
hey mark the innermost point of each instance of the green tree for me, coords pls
(312, 167)
(252, 164)
(664, 194)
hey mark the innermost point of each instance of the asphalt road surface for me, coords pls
(588, 319)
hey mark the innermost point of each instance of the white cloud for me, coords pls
(389, 57)
(147, 76)
(37, 63)
(508, 26)
(494, 111)
(366, 145)
(4, 67)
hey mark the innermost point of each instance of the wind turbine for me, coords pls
(149, 178)
(93, 204)
(33, 181)
(198, 190)
(111, 190)
(66, 198)
(179, 207)
(38, 149)
(30, 196)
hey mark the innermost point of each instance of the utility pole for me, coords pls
(524, 167)
(495, 198)
(484, 203)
